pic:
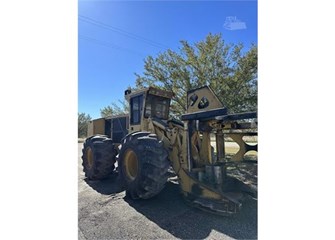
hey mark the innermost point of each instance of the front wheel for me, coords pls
(143, 165)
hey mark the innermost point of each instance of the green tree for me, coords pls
(83, 120)
(226, 68)
(115, 109)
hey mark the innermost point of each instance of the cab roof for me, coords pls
(150, 90)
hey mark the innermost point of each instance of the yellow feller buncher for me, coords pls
(146, 143)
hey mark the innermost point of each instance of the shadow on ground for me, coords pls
(108, 186)
(169, 211)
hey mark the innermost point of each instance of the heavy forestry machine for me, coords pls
(146, 144)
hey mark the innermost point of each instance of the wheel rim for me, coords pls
(89, 156)
(131, 164)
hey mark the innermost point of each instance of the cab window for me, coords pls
(157, 107)
(136, 109)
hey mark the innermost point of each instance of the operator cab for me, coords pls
(147, 103)
(157, 107)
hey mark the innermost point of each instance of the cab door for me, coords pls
(136, 110)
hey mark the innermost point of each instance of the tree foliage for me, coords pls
(226, 68)
(83, 120)
(115, 109)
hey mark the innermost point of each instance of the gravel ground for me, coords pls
(104, 212)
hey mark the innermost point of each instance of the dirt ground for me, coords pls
(104, 212)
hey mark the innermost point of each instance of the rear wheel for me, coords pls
(98, 157)
(143, 165)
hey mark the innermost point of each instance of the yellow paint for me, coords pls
(89, 156)
(131, 164)
(96, 126)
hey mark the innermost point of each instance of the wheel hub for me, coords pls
(131, 164)
(89, 156)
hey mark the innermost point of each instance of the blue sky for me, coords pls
(114, 38)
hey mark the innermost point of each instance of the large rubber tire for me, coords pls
(99, 156)
(143, 165)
